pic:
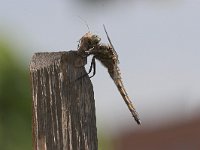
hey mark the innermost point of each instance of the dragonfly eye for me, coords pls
(95, 39)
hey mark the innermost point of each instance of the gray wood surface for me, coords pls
(63, 109)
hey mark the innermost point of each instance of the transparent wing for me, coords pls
(111, 43)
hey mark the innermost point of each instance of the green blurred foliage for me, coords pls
(15, 100)
(104, 142)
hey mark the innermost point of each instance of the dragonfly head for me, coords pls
(88, 41)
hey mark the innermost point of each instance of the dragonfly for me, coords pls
(90, 44)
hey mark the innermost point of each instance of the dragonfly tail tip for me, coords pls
(138, 122)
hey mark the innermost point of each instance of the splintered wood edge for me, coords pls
(46, 59)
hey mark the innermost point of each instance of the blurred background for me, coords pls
(158, 43)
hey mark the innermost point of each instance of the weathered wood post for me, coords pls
(63, 109)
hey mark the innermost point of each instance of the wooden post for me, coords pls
(63, 109)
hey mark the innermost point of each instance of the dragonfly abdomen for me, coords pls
(121, 88)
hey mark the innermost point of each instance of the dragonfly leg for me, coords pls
(93, 64)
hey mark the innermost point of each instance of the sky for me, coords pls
(157, 43)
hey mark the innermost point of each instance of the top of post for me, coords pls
(46, 59)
